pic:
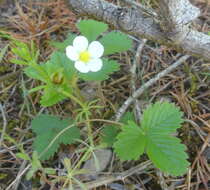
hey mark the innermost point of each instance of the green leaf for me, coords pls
(24, 51)
(61, 46)
(166, 151)
(128, 116)
(59, 60)
(30, 174)
(51, 95)
(18, 62)
(91, 29)
(36, 164)
(58, 69)
(27, 54)
(115, 42)
(130, 142)
(23, 156)
(163, 118)
(109, 134)
(159, 122)
(109, 66)
(50, 130)
(34, 73)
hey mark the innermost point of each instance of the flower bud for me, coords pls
(57, 78)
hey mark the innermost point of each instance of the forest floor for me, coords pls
(187, 87)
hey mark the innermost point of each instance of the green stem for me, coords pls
(90, 137)
(78, 93)
(77, 90)
(84, 157)
(73, 98)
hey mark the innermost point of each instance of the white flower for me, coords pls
(86, 57)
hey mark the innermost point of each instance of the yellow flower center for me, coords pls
(84, 56)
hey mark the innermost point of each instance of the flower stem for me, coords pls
(77, 91)
(84, 157)
(73, 98)
(90, 136)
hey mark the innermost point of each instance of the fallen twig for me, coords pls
(148, 84)
(133, 71)
(116, 177)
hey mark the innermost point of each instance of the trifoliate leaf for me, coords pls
(50, 130)
(131, 142)
(159, 121)
(61, 46)
(91, 29)
(115, 42)
(109, 66)
(109, 134)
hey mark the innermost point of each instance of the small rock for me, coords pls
(89, 91)
(104, 157)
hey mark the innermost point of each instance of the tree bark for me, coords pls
(133, 21)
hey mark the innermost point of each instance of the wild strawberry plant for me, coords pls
(86, 57)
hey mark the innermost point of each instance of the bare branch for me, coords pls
(175, 15)
(135, 22)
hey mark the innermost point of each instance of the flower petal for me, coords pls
(96, 49)
(72, 53)
(80, 43)
(95, 65)
(81, 67)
